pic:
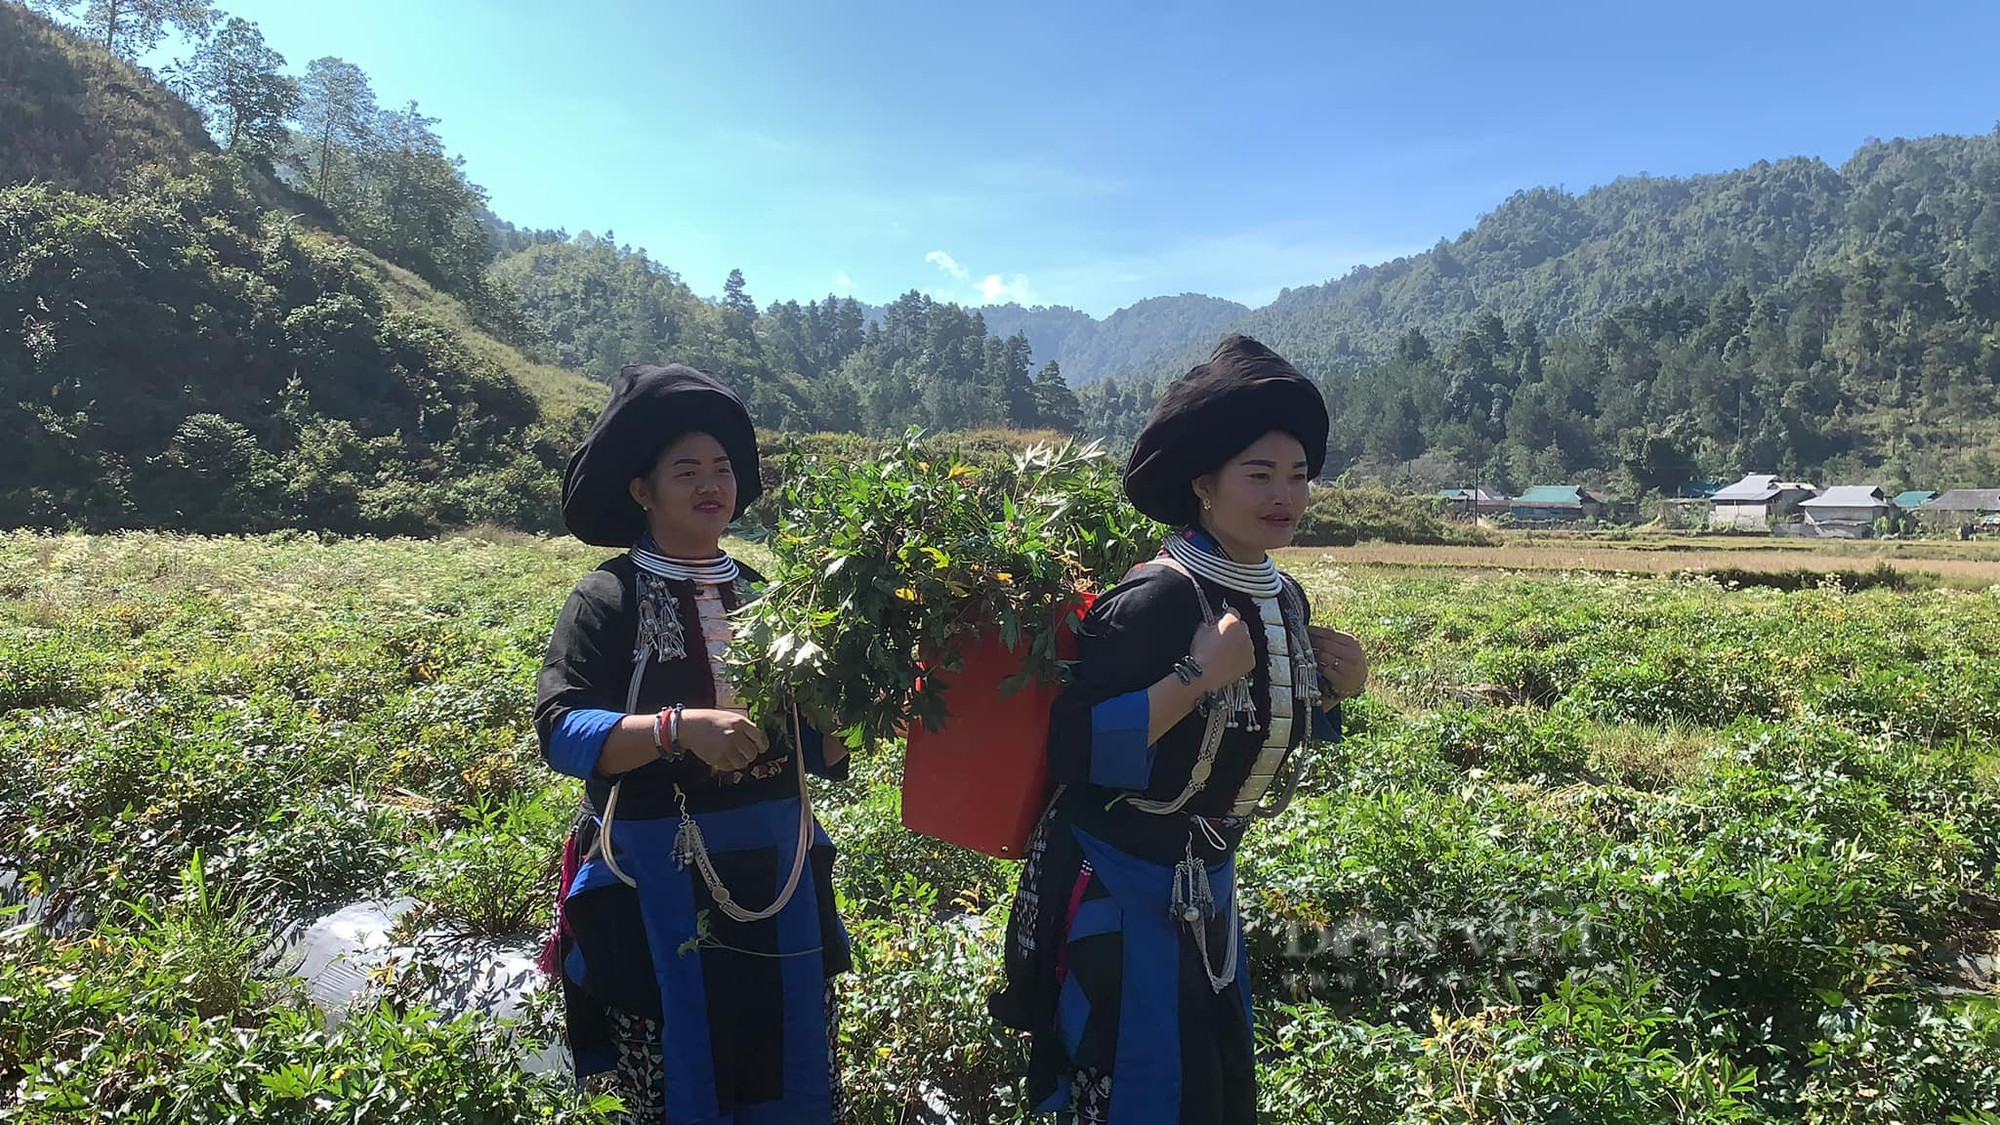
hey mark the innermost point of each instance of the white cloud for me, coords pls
(947, 263)
(842, 283)
(998, 291)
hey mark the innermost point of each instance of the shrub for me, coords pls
(43, 671)
(1342, 517)
(495, 876)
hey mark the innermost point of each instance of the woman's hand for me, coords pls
(1226, 654)
(1224, 650)
(725, 740)
(1341, 660)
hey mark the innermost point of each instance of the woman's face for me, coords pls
(1254, 501)
(689, 496)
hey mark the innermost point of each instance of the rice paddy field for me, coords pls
(1607, 841)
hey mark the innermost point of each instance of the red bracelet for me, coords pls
(667, 734)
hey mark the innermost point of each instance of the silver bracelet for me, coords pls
(674, 748)
(1188, 669)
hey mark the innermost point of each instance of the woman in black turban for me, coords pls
(696, 939)
(1196, 679)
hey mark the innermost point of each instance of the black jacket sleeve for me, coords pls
(1130, 639)
(589, 660)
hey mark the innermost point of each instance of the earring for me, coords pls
(1206, 503)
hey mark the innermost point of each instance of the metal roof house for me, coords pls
(1961, 505)
(1756, 501)
(1558, 503)
(1469, 502)
(1847, 511)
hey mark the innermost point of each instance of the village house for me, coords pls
(1687, 506)
(1472, 503)
(1959, 506)
(1908, 502)
(1558, 503)
(1756, 502)
(1847, 511)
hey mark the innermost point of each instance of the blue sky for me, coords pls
(1092, 154)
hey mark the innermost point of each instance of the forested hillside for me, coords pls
(212, 269)
(1788, 317)
(1139, 337)
(1568, 261)
(190, 341)
(77, 118)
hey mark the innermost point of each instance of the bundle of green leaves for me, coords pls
(888, 569)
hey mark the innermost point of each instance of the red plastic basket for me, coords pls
(982, 780)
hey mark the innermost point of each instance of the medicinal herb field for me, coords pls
(1596, 850)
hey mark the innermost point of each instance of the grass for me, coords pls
(80, 118)
(1598, 848)
(560, 392)
(1649, 757)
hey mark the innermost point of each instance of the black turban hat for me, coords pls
(1216, 411)
(650, 409)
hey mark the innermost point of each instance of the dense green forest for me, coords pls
(209, 269)
(246, 376)
(1875, 370)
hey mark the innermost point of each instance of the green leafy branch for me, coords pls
(887, 569)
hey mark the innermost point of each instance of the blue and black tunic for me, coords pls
(742, 1007)
(1133, 984)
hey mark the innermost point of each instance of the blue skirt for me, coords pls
(741, 1004)
(1126, 1027)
